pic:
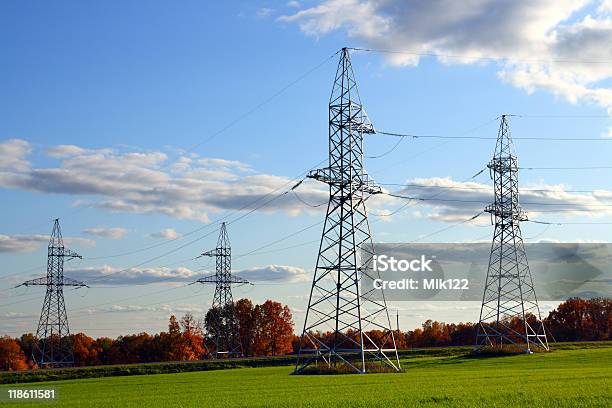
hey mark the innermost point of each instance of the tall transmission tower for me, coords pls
(54, 347)
(226, 336)
(339, 314)
(510, 313)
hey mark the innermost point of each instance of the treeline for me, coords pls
(267, 330)
(573, 320)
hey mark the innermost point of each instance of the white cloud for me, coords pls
(13, 153)
(605, 7)
(112, 233)
(21, 243)
(227, 165)
(17, 315)
(62, 151)
(29, 243)
(453, 201)
(547, 44)
(166, 308)
(264, 12)
(138, 182)
(109, 275)
(167, 233)
(275, 273)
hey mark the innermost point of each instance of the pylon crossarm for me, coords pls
(69, 254)
(73, 282)
(230, 280)
(35, 282)
(238, 280)
(363, 183)
(206, 279)
(211, 253)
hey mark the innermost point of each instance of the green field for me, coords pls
(563, 378)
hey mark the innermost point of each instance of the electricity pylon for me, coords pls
(510, 313)
(54, 347)
(339, 314)
(227, 339)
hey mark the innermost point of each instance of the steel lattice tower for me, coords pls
(509, 297)
(227, 340)
(338, 314)
(54, 346)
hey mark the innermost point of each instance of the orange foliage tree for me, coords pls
(579, 319)
(191, 345)
(11, 355)
(85, 350)
(274, 329)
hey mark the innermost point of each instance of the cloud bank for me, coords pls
(561, 46)
(147, 183)
(109, 275)
(104, 232)
(29, 243)
(453, 201)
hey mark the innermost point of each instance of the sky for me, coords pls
(142, 125)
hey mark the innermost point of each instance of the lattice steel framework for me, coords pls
(338, 314)
(54, 347)
(227, 340)
(510, 313)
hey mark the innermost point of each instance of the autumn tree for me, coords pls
(11, 355)
(171, 340)
(192, 339)
(104, 346)
(274, 329)
(28, 342)
(85, 350)
(579, 319)
(245, 316)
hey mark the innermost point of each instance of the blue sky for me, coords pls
(102, 101)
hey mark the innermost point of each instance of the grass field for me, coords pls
(563, 378)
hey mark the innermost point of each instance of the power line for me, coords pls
(395, 146)
(431, 197)
(457, 200)
(466, 132)
(479, 58)
(568, 168)
(198, 239)
(252, 110)
(448, 227)
(21, 272)
(562, 116)
(568, 223)
(307, 203)
(279, 240)
(417, 136)
(221, 219)
(168, 278)
(282, 249)
(217, 133)
(273, 198)
(487, 188)
(129, 298)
